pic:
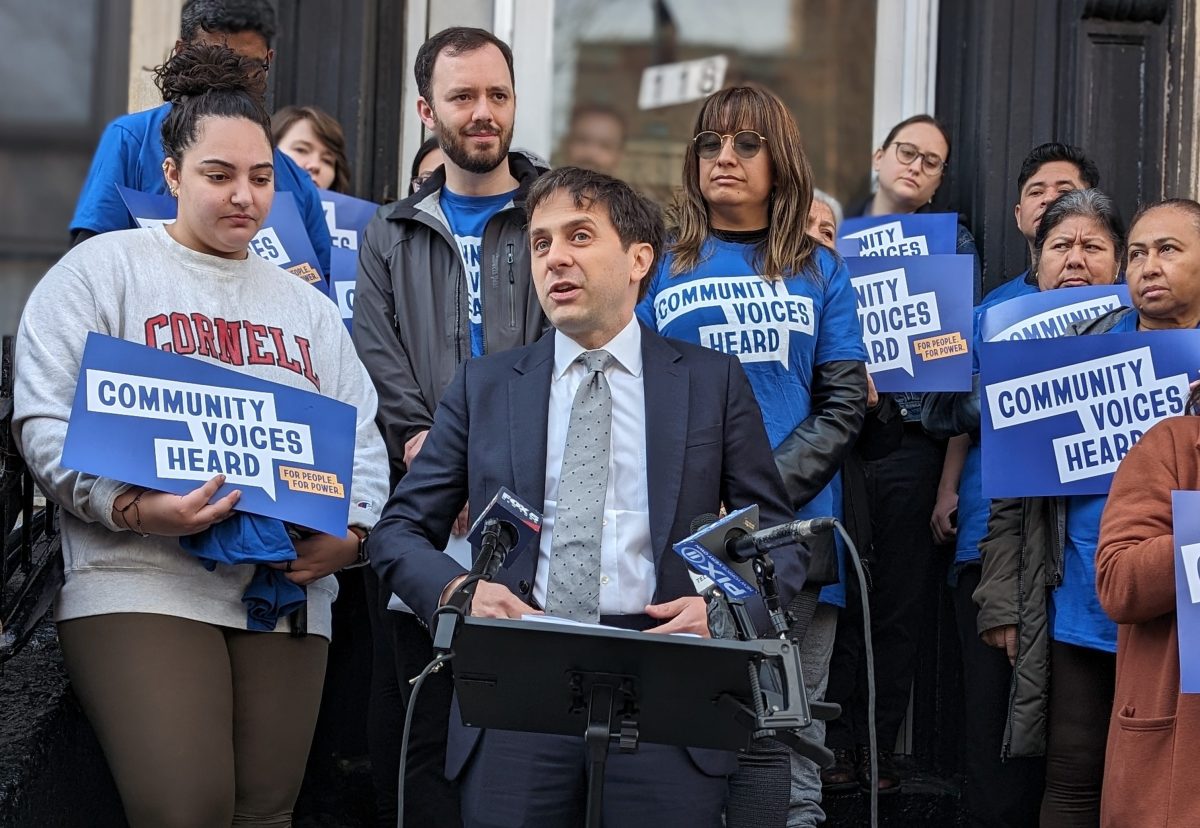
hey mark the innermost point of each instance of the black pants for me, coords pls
(901, 491)
(996, 794)
(402, 648)
(1081, 698)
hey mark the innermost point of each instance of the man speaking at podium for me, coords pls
(624, 437)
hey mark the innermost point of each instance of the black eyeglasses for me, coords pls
(419, 181)
(908, 153)
(746, 144)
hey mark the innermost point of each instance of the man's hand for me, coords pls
(495, 601)
(462, 523)
(683, 615)
(939, 522)
(151, 512)
(412, 446)
(1003, 638)
(319, 555)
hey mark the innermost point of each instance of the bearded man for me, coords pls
(443, 276)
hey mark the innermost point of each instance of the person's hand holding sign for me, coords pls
(318, 555)
(151, 512)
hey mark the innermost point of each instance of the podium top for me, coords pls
(536, 677)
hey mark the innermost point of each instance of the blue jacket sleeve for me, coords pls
(308, 202)
(100, 207)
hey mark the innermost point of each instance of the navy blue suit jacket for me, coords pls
(705, 445)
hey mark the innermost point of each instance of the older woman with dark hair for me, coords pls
(1059, 639)
(1150, 776)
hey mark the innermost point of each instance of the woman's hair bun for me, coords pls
(200, 67)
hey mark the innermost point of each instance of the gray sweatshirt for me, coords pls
(247, 315)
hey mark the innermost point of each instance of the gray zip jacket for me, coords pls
(1022, 557)
(411, 325)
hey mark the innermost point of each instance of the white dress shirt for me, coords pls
(627, 577)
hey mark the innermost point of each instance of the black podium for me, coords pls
(605, 685)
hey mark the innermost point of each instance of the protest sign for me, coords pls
(343, 267)
(913, 234)
(170, 422)
(1059, 416)
(915, 307)
(283, 240)
(346, 217)
(1185, 509)
(1049, 313)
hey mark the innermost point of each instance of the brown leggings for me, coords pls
(202, 725)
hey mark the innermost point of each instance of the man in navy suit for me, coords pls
(686, 437)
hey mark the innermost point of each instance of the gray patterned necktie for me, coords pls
(573, 590)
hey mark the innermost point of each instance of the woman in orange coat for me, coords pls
(1153, 764)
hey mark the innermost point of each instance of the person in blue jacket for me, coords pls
(131, 154)
(742, 277)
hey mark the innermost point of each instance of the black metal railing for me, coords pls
(31, 563)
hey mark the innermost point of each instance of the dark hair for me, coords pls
(202, 80)
(427, 146)
(1090, 203)
(227, 17)
(918, 119)
(455, 41)
(636, 218)
(1184, 205)
(787, 250)
(1052, 151)
(327, 129)
(1193, 403)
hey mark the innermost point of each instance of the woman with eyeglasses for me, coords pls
(903, 491)
(742, 276)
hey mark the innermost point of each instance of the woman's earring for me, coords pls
(174, 192)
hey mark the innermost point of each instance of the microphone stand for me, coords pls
(492, 552)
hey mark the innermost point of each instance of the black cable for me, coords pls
(408, 720)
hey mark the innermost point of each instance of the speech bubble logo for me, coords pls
(1057, 321)
(231, 431)
(888, 239)
(1191, 566)
(890, 317)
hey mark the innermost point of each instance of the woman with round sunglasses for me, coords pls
(910, 166)
(742, 276)
(205, 713)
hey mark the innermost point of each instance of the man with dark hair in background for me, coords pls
(997, 793)
(130, 152)
(443, 276)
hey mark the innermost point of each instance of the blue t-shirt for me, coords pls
(467, 217)
(973, 507)
(1076, 615)
(130, 153)
(779, 330)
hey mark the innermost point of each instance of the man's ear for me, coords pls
(642, 260)
(425, 113)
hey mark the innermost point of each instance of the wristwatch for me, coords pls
(363, 557)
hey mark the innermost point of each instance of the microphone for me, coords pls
(502, 532)
(748, 546)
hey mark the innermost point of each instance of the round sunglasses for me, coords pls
(746, 143)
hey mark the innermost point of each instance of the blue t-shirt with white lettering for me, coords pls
(779, 330)
(467, 217)
(1076, 615)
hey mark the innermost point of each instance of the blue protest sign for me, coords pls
(346, 217)
(283, 240)
(916, 319)
(170, 422)
(914, 234)
(1059, 415)
(1185, 510)
(1049, 313)
(343, 267)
